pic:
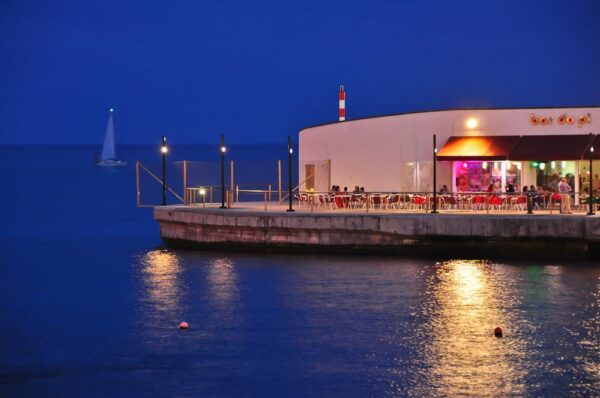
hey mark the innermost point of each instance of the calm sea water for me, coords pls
(90, 301)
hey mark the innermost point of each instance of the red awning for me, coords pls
(478, 148)
(514, 147)
(550, 147)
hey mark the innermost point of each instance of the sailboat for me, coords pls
(108, 157)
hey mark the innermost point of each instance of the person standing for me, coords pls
(565, 199)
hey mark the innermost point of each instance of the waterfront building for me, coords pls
(477, 149)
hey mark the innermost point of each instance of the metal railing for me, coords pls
(140, 167)
(457, 202)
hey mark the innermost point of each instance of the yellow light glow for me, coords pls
(484, 165)
(469, 299)
(202, 191)
(542, 166)
(518, 165)
(553, 164)
(160, 271)
(164, 149)
(508, 164)
(223, 149)
(563, 164)
(472, 123)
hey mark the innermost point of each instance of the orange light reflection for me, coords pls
(160, 272)
(463, 357)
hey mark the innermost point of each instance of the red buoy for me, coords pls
(183, 325)
(498, 332)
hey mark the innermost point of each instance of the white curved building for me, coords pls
(476, 148)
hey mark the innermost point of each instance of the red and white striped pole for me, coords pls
(342, 104)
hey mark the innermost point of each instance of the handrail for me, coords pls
(160, 181)
(416, 200)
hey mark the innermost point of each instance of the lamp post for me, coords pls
(591, 196)
(290, 152)
(529, 199)
(434, 206)
(163, 150)
(203, 194)
(223, 150)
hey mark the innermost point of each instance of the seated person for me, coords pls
(444, 190)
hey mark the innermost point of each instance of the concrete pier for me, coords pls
(465, 235)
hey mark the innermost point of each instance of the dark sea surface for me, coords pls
(90, 302)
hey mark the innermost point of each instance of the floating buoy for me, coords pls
(183, 325)
(498, 332)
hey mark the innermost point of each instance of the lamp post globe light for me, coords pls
(223, 149)
(163, 151)
(290, 188)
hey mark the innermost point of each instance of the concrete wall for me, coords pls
(372, 152)
(467, 234)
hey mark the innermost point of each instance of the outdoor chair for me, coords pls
(479, 202)
(495, 202)
(418, 202)
(376, 201)
(519, 202)
(394, 201)
(356, 201)
(450, 202)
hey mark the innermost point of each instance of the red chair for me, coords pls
(478, 202)
(418, 201)
(495, 202)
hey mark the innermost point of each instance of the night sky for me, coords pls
(258, 71)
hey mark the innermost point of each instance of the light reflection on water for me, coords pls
(419, 329)
(465, 301)
(589, 342)
(222, 280)
(160, 271)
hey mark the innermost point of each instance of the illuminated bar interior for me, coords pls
(491, 164)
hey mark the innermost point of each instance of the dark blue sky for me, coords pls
(258, 71)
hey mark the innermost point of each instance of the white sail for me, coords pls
(108, 149)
